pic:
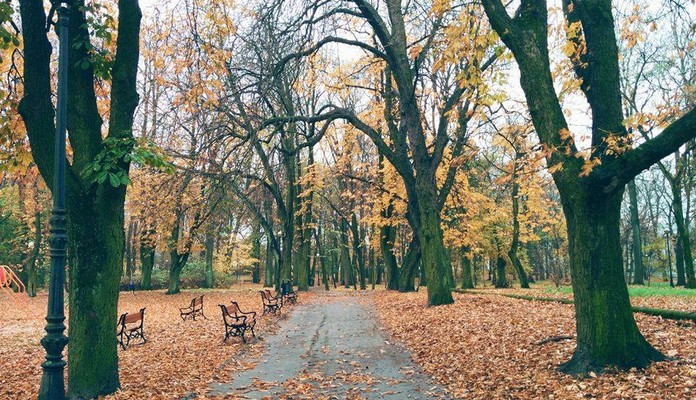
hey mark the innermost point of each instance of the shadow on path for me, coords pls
(332, 348)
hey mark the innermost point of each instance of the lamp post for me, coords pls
(668, 238)
(52, 383)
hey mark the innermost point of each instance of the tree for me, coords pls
(591, 188)
(95, 216)
(412, 66)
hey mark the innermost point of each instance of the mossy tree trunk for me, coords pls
(606, 330)
(130, 265)
(409, 266)
(209, 252)
(30, 264)
(347, 276)
(467, 281)
(322, 257)
(256, 253)
(500, 276)
(178, 262)
(147, 257)
(268, 275)
(515, 242)
(358, 254)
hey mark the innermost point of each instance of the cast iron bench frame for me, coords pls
(195, 308)
(270, 304)
(128, 331)
(237, 322)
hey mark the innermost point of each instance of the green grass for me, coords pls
(655, 289)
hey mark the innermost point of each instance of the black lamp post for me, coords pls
(52, 383)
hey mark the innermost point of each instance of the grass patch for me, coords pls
(656, 289)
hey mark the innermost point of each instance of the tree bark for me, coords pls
(130, 266)
(684, 235)
(30, 265)
(209, 252)
(467, 282)
(679, 261)
(147, 258)
(638, 271)
(346, 264)
(358, 254)
(178, 263)
(409, 266)
(268, 275)
(515, 243)
(500, 276)
(256, 253)
(607, 333)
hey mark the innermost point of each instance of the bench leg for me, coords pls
(120, 341)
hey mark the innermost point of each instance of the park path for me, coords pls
(331, 347)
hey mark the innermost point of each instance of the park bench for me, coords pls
(271, 304)
(288, 293)
(196, 308)
(130, 327)
(237, 322)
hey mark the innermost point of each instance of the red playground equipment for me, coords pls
(10, 284)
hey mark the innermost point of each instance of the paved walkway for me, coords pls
(332, 348)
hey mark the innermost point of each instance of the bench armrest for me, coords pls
(236, 320)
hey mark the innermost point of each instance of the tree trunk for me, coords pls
(256, 252)
(322, 258)
(435, 263)
(346, 264)
(268, 276)
(209, 251)
(357, 251)
(147, 257)
(30, 265)
(500, 276)
(130, 267)
(607, 334)
(467, 282)
(679, 261)
(409, 266)
(684, 235)
(147, 262)
(387, 235)
(515, 243)
(638, 271)
(302, 263)
(178, 263)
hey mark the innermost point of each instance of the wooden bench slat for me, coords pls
(194, 309)
(128, 331)
(237, 322)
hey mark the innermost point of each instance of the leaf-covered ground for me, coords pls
(180, 358)
(484, 347)
(481, 347)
